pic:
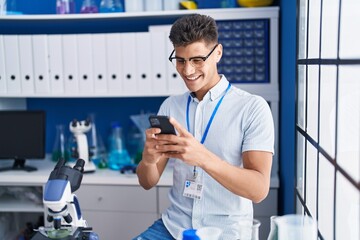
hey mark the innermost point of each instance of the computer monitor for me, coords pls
(22, 137)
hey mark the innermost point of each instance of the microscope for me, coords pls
(79, 128)
(62, 206)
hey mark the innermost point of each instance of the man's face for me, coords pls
(199, 79)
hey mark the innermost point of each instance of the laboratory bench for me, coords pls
(114, 204)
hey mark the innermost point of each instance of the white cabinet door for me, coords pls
(118, 212)
(118, 225)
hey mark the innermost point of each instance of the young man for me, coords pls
(224, 144)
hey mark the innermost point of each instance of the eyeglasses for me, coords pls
(196, 62)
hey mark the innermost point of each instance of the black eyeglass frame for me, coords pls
(190, 59)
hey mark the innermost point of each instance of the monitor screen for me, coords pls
(22, 137)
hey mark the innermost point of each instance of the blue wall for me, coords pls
(106, 110)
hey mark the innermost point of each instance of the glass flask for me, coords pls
(89, 6)
(60, 146)
(97, 151)
(109, 6)
(118, 156)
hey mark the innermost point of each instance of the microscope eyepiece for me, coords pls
(87, 122)
(60, 163)
(80, 163)
(73, 123)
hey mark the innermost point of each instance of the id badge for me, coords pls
(193, 189)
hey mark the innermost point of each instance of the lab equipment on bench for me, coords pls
(60, 144)
(248, 229)
(209, 233)
(97, 150)
(190, 234)
(118, 156)
(62, 207)
(110, 6)
(295, 227)
(89, 6)
(81, 148)
(134, 142)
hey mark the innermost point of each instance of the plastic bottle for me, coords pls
(118, 156)
(190, 234)
(60, 147)
(89, 6)
(109, 6)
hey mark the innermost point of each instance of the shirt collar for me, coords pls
(216, 91)
(219, 89)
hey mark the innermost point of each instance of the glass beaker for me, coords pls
(248, 229)
(273, 235)
(255, 229)
(60, 149)
(296, 227)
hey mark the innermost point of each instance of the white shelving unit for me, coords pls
(38, 80)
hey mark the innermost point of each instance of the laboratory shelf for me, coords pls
(117, 22)
(245, 13)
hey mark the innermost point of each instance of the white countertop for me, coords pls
(99, 177)
(44, 167)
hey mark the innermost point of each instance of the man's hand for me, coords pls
(150, 154)
(183, 146)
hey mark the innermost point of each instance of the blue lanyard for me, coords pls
(211, 118)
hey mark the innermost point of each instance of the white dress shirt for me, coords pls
(243, 122)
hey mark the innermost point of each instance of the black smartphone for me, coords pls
(162, 122)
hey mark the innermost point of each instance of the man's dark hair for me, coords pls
(193, 28)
